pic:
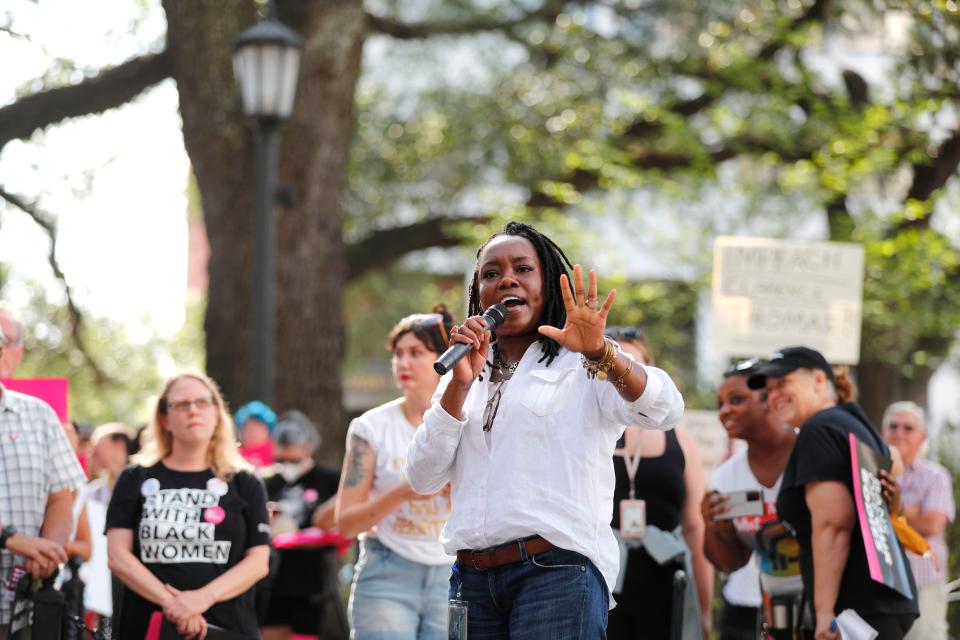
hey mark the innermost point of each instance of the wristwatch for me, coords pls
(8, 530)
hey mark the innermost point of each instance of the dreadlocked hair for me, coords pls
(554, 262)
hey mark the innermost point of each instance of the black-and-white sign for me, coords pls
(769, 293)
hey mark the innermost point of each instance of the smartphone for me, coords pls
(743, 503)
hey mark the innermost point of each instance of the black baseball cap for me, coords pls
(790, 359)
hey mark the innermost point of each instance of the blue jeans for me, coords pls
(554, 595)
(393, 598)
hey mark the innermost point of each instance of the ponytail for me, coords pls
(844, 385)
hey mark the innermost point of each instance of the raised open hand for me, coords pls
(586, 320)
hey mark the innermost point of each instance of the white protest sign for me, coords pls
(769, 294)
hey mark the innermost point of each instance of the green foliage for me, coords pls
(543, 120)
(666, 311)
(911, 297)
(134, 370)
(679, 98)
(373, 304)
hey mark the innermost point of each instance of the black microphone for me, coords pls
(494, 317)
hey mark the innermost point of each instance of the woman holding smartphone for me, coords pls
(756, 540)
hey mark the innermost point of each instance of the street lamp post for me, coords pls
(266, 63)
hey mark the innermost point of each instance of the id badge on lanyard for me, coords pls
(633, 512)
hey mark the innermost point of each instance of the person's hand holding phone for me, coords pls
(714, 505)
(717, 507)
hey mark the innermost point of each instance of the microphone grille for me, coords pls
(497, 313)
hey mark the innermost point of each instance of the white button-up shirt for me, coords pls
(549, 467)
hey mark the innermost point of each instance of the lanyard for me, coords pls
(632, 463)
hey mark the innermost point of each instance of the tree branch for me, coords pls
(816, 12)
(380, 248)
(413, 31)
(77, 321)
(642, 128)
(857, 88)
(928, 177)
(109, 88)
(643, 159)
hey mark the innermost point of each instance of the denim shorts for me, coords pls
(393, 598)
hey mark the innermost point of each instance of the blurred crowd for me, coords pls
(570, 484)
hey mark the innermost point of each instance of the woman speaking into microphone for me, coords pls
(524, 429)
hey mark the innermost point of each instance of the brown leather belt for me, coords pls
(507, 553)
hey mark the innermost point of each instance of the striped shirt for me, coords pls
(929, 485)
(35, 461)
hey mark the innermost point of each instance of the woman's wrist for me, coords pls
(166, 597)
(598, 362)
(210, 598)
(596, 354)
(825, 617)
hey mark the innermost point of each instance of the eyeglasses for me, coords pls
(624, 333)
(183, 406)
(906, 428)
(493, 403)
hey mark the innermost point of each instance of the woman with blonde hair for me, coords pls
(187, 528)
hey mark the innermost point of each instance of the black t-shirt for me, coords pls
(298, 499)
(821, 454)
(301, 572)
(189, 528)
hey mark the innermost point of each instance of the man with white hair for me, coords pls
(927, 494)
(13, 349)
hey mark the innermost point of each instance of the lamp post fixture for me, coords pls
(266, 64)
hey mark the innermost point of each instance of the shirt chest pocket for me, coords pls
(548, 390)
(30, 447)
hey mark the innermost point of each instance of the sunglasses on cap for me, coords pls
(742, 367)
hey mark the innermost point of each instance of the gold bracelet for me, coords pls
(619, 382)
(599, 368)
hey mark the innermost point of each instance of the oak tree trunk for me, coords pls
(313, 157)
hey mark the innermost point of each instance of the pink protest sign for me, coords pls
(53, 391)
(885, 561)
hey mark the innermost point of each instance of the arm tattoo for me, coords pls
(355, 471)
